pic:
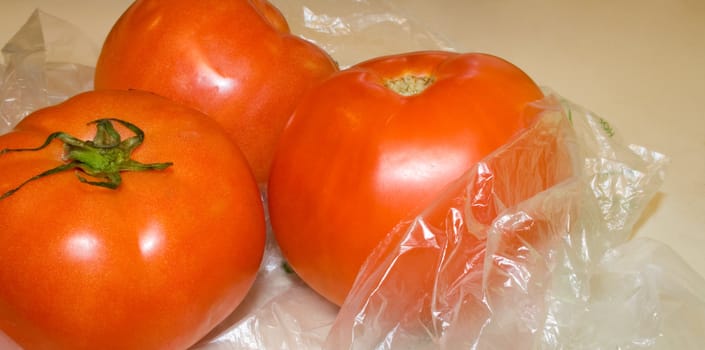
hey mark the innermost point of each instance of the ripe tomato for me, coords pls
(379, 140)
(154, 263)
(235, 60)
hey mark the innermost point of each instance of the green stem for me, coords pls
(104, 157)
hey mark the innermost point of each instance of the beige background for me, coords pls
(638, 63)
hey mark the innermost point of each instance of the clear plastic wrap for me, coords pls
(554, 267)
(356, 30)
(531, 249)
(47, 61)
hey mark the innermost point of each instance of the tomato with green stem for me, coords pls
(127, 221)
(376, 142)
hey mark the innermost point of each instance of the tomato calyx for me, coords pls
(104, 157)
(408, 85)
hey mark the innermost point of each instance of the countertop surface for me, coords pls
(638, 63)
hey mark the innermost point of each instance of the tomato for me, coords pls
(376, 142)
(234, 60)
(147, 252)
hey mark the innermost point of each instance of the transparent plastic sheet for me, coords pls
(47, 61)
(356, 30)
(531, 249)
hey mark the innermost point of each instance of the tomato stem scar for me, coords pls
(408, 85)
(104, 157)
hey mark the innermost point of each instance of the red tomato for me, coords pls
(378, 141)
(234, 60)
(156, 262)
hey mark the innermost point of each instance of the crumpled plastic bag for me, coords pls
(531, 249)
(354, 31)
(46, 61)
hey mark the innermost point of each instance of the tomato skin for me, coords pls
(356, 157)
(234, 60)
(153, 264)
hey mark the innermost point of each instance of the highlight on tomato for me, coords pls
(234, 60)
(376, 142)
(127, 221)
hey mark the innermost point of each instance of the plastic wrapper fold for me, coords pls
(532, 248)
